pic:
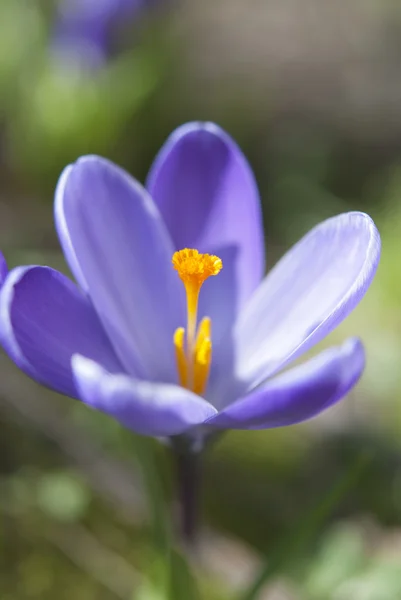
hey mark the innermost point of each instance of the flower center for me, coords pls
(193, 347)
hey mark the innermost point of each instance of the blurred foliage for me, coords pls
(85, 507)
(55, 110)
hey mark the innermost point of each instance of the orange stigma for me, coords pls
(193, 347)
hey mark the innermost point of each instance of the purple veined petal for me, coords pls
(298, 394)
(147, 408)
(119, 249)
(207, 195)
(44, 320)
(309, 292)
(3, 269)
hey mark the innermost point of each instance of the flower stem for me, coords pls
(188, 467)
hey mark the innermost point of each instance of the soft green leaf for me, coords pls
(160, 517)
(182, 582)
(296, 542)
(341, 557)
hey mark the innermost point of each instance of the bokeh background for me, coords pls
(311, 90)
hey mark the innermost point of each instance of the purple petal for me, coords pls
(3, 269)
(118, 248)
(310, 291)
(44, 320)
(207, 195)
(298, 394)
(146, 408)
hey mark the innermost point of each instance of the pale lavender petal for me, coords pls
(310, 291)
(298, 394)
(146, 408)
(44, 320)
(207, 194)
(120, 250)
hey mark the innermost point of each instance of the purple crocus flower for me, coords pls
(83, 27)
(132, 341)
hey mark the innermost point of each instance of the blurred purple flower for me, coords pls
(109, 342)
(83, 28)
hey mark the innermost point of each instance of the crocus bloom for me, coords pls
(83, 27)
(131, 338)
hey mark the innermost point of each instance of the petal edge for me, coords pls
(307, 294)
(298, 394)
(147, 408)
(44, 320)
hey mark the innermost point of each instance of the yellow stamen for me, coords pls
(203, 356)
(179, 340)
(204, 331)
(193, 269)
